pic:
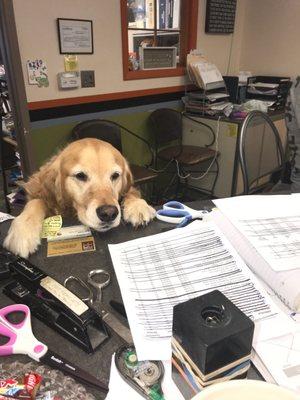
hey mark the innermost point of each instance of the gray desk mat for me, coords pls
(60, 268)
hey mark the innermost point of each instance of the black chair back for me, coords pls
(166, 125)
(99, 129)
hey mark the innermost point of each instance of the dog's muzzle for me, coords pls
(107, 213)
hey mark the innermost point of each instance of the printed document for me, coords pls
(282, 357)
(157, 272)
(278, 358)
(270, 223)
(5, 217)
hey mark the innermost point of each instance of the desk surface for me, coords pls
(80, 264)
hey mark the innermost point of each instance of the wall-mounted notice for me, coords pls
(37, 72)
(220, 16)
(75, 36)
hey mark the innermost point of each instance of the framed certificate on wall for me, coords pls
(75, 36)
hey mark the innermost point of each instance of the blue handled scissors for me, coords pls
(178, 213)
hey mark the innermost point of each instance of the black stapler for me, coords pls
(53, 304)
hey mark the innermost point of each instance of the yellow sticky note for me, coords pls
(232, 130)
(51, 226)
(71, 63)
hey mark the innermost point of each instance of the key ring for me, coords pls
(98, 285)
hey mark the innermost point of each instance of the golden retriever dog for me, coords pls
(89, 178)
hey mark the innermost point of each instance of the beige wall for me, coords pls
(222, 50)
(265, 41)
(271, 37)
(37, 33)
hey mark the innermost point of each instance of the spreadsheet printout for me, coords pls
(157, 272)
(270, 223)
(284, 283)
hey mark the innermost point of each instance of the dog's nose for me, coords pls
(107, 213)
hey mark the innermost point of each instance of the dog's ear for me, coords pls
(46, 184)
(127, 181)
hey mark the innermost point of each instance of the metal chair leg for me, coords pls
(165, 191)
(216, 177)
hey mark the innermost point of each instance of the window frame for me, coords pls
(189, 16)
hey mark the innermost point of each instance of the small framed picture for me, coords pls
(75, 36)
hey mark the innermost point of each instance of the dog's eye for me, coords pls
(81, 176)
(115, 176)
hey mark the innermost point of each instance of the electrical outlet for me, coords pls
(87, 78)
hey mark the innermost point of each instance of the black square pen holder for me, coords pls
(211, 342)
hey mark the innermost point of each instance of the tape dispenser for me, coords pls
(211, 342)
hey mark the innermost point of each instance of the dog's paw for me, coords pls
(137, 212)
(23, 238)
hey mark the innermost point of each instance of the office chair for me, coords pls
(110, 132)
(261, 153)
(167, 130)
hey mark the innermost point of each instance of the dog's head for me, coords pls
(89, 175)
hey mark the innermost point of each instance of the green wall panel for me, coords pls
(47, 141)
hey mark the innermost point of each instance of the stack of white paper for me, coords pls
(265, 232)
(157, 272)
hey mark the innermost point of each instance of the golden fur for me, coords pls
(87, 175)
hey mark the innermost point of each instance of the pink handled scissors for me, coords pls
(21, 340)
